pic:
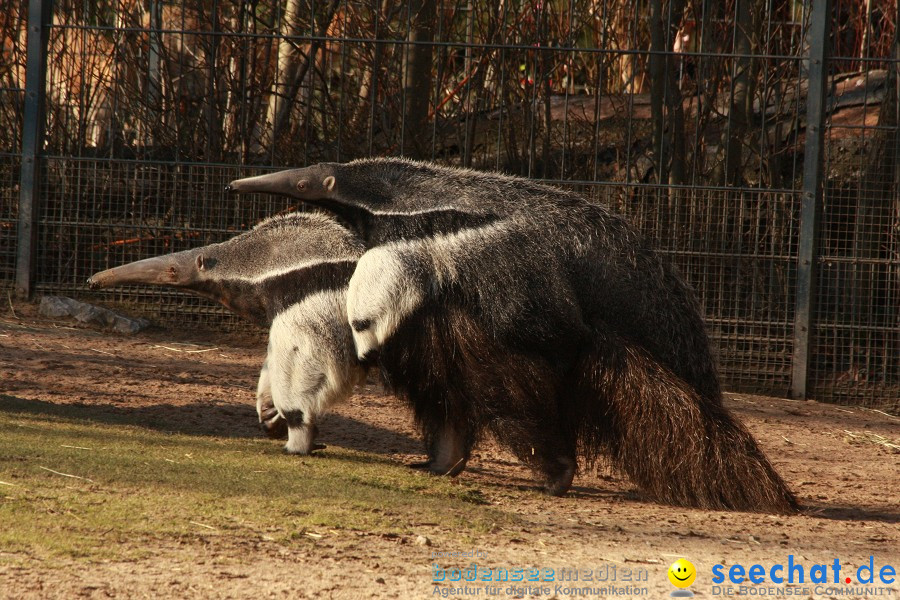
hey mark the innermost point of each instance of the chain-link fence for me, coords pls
(702, 121)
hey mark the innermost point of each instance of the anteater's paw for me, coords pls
(273, 425)
(440, 468)
(558, 482)
(303, 451)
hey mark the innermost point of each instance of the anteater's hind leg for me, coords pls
(270, 421)
(448, 449)
(514, 395)
(544, 445)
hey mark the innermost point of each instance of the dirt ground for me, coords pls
(204, 384)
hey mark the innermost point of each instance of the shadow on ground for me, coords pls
(213, 419)
(887, 514)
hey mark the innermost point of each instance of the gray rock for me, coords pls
(60, 306)
(54, 306)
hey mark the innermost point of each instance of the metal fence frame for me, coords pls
(811, 196)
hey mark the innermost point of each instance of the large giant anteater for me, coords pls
(494, 302)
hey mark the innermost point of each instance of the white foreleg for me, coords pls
(311, 365)
(386, 288)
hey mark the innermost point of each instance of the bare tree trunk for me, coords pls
(417, 62)
(246, 110)
(625, 17)
(292, 68)
(154, 84)
(289, 57)
(365, 93)
(660, 149)
(214, 106)
(874, 228)
(709, 78)
(729, 171)
(236, 75)
(545, 75)
(665, 98)
(370, 76)
(674, 101)
(864, 38)
(471, 118)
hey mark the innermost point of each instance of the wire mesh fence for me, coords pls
(9, 175)
(12, 93)
(856, 352)
(688, 116)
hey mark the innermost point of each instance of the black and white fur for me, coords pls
(492, 302)
(290, 273)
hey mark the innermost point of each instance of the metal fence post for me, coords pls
(39, 12)
(811, 200)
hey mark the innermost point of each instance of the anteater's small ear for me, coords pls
(328, 183)
(201, 263)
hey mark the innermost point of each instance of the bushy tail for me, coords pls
(677, 446)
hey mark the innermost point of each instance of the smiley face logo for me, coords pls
(682, 573)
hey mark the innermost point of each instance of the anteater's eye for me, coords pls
(360, 324)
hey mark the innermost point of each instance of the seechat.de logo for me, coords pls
(796, 572)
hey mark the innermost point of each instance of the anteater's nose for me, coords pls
(369, 358)
(228, 188)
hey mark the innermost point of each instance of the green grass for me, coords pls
(141, 485)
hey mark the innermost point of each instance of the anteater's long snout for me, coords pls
(281, 182)
(174, 269)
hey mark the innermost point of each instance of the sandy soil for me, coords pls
(849, 486)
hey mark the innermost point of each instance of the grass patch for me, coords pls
(76, 488)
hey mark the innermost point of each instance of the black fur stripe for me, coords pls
(388, 228)
(294, 286)
(294, 418)
(261, 301)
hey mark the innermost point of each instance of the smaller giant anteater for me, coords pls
(290, 273)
